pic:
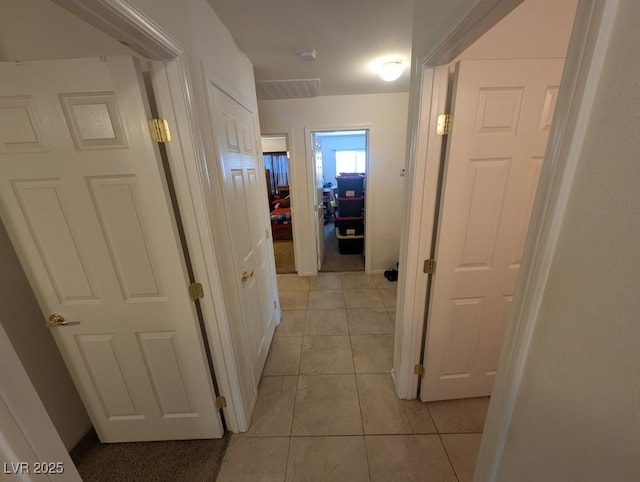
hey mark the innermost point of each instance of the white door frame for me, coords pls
(293, 191)
(583, 67)
(123, 21)
(308, 151)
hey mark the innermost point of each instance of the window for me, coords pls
(350, 161)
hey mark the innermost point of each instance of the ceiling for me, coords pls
(351, 37)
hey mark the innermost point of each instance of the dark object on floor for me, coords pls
(391, 274)
(171, 460)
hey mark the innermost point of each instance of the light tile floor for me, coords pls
(326, 406)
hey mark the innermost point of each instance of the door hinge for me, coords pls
(159, 129)
(221, 402)
(429, 266)
(418, 370)
(196, 291)
(445, 123)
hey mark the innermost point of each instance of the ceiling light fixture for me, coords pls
(308, 55)
(392, 70)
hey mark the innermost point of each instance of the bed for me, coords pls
(281, 224)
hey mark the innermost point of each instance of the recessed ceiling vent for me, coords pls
(287, 89)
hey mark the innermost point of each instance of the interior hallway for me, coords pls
(326, 408)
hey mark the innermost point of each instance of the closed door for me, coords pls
(247, 211)
(502, 112)
(84, 200)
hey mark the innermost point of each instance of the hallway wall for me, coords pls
(536, 29)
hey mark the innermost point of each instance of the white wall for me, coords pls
(40, 29)
(205, 38)
(576, 416)
(274, 144)
(386, 116)
(536, 29)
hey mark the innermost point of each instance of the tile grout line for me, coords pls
(293, 412)
(295, 400)
(384, 308)
(446, 452)
(355, 378)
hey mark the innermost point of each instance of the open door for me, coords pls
(318, 199)
(502, 112)
(86, 205)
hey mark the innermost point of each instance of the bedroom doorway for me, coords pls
(340, 165)
(275, 154)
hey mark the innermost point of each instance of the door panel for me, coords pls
(106, 374)
(84, 199)
(246, 206)
(119, 218)
(67, 271)
(502, 112)
(487, 179)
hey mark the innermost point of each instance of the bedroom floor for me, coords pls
(326, 406)
(333, 260)
(283, 253)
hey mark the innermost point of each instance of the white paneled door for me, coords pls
(246, 203)
(85, 201)
(502, 112)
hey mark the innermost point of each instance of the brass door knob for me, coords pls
(58, 320)
(245, 276)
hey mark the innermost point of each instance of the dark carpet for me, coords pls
(193, 460)
(333, 260)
